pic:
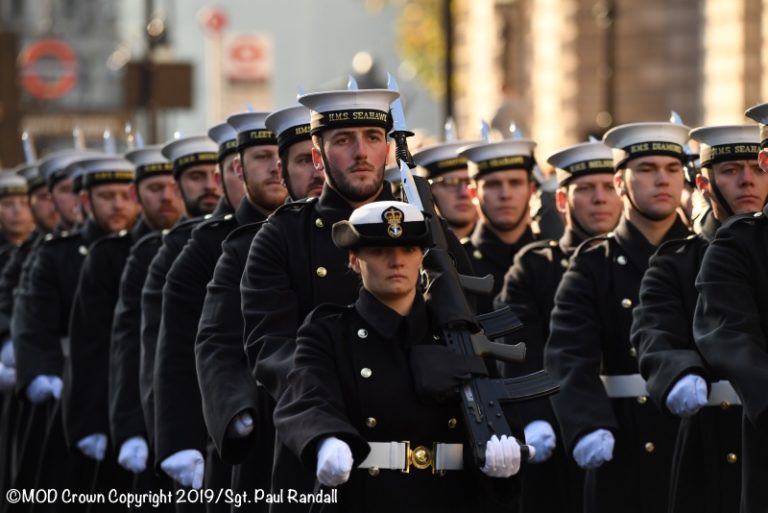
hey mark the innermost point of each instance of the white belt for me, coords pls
(633, 385)
(401, 456)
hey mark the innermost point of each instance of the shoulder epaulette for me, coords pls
(216, 221)
(326, 310)
(120, 236)
(63, 236)
(592, 241)
(153, 235)
(185, 225)
(673, 245)
(747, 219)
(294, 206)
(246, 229)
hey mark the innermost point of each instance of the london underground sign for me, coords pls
(48, 68)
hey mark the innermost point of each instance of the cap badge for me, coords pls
(393, 218)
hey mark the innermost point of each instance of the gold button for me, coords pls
(642, 399)
(650, 447)
(373, 471)
(321, 272)
(366, 372)
(564, 263)
(122, 233)
(421, 457)
(319, 223)
(626, 303)
(621, 259)
(477, 254)
(731, 458)
(82, 250)
(228, 217)
(552, 243)
(725, 405)
(633, 352)
(362, 333)
(452, 423)
(370, 422)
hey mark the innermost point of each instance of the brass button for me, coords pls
(228, 217)
(366, 372)
(725, 405)
(373, 471)
(626, 303)
(322, 272)
(552, 243)
(731, 458)
(82, 250)
(642, 399)
(477, 254)
(370, 422)
(564, 263)
(633, 352)
(421, 457)
(621, 259)
(122, 233)
(362, 333)
(650, 447)
(319, 223)
(452, 423)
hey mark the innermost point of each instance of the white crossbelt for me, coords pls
(633, 385)
(394, 456)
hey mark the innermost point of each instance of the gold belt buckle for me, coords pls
(420, 457)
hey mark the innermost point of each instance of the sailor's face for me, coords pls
(67, 202)
(15, 215)
(262, 177)
(161, 205)
(504, 197)
(112, 206)
(655, 183)
(593, 202)
(743, 185)
(453, 197)
(389, 273)
(306, 180)
(200, 188)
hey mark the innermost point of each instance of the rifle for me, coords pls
(464, 333)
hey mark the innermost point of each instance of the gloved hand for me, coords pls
(502, 457)
(241, 425)
(185, 467)
(133, 454)
(594, 449)
(540, 434)
(7, 377)
(687, 396)
(43, 388)
(438, 372)
(7, 356)
(94, 446)
(334, 462)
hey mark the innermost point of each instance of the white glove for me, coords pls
(502, 457)
(594, 449)
(133, 454)
(7, 377)
(94, 446)
(7, 356)
(687, 396)
(185, 467)
(241, 425)
(334, 462)
(540, 435)
(43, 388)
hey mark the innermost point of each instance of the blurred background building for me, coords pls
(560, 70)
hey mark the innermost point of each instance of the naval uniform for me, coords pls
(730, 329)
(352, 379)
(179, 420)
(589, 339)
(706, 473)
(227, 386)
(529, 288)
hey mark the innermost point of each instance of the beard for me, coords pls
(353, 192)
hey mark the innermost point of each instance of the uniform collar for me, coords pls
(334, 207)
(223, 207)
(493, 248)
(709, 226)
(638, 249)
(569, 241)
(247, 213)
(386, 322)
(140, 229)
(90, 231)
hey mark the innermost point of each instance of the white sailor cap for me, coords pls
(726, 142)
(101, 170)
(290, 125)
(31, 173)
(350, 108)
(486, 158)
(635, 140)
(149, 161)
(53, 166)
(190, 151)
(580, 160)
(441, 158)
(251, 129)
(383, 223)
(225, 136)
(11, 184)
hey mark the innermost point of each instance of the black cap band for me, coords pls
(105, 177)
(260, 137)
(725, 152)
(440, 167)
(643, 149)
(181, 164)
(350, 118)
(485, 167)
(35, 183)
(13, 190)
(56, 177)
(149, 170)
(587, 167)
(227, 148)
(293, 135)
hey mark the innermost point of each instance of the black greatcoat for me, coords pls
(226, 384)
(292, 267)
(589, 337)
(731, 329)
(489, 255)
(329, 396)
(704, 477)
(529, 288)
(179, 420)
